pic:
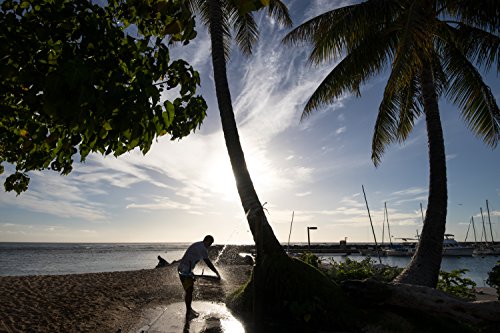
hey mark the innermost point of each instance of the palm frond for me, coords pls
(367, 60)
(346, 32)
(342, 29)
(410, 109)
(278, 10)
(482, 14)
(247, 32)
(468, 90)
(398, 110)
(411, 49)
(307, 30)
(386, 126)
(209, 15)
(479, 46)
(194, 5)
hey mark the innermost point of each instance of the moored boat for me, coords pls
(453, 248)
(405, 249)
(450, 248)
(371, 252)
(482, 250)
(400, 251)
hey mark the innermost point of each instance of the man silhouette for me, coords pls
(194, 253)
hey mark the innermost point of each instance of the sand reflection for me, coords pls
(213, 318)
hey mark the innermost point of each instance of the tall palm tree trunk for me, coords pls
(426, 262)
(265, 240)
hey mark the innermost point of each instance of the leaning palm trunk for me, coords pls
(425, 264)
(265, 240)
(270, 291)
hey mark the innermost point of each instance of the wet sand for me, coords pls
(100, 302)
(212, 317)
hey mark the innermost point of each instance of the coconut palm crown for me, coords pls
(238, 19)
(433, 49)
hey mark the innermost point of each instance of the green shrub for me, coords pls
(454, 284)
(359, 270)
(494, 278)
(450, 282)
(310, 258)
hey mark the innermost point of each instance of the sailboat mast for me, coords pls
(467, 233)
(290, 233)
(484, 228)
(388, 228)
(474, 229)
(371, 223)
(383, 228)
(489, 220)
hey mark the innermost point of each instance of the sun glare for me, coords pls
(220, 178)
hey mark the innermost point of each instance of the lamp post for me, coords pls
(309, 237)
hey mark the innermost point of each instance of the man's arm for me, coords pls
(211, 266)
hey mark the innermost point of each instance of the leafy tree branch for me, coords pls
(75, 80)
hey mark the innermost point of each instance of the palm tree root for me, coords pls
(479, 315)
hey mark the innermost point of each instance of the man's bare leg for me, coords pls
(188, 299)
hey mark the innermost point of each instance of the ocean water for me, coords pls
(66, 258)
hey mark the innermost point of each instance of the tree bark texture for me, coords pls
(426, 262)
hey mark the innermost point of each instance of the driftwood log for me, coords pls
(425, 299)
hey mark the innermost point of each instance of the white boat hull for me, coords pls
(452, 248)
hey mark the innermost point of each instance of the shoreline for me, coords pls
(100, 302)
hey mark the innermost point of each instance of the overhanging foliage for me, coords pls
(79, 77)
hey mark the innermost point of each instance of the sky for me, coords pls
(312, 170)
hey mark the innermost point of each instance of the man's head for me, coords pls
(208, 240)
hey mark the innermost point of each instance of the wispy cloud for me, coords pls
(60, 196)
(340, 130)
(161, 203)
(408, 195)
(410, 191)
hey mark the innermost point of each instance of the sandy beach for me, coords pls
(100, 302)
(108, 302)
